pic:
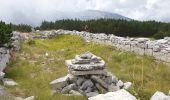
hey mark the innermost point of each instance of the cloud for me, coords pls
(34, 11)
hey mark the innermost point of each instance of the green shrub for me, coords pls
(161, 35)
(31, 42)
(5, 33)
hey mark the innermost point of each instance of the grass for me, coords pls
(34, 71)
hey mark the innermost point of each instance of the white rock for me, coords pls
(120, 84)
(9, 82)
(2, 74)
(159, 96)
(30, 98)
(46, 54)
(127, 85)
(118, 95)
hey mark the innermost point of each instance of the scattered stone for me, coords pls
(9, 82)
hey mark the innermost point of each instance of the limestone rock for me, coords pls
(160, 96)
(118, 95)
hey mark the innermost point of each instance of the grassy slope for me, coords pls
(34, 71)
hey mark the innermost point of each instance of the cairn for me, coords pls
(87, 76)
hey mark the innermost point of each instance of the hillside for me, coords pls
(33, 70)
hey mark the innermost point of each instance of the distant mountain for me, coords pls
(34, 20)
(96, 14)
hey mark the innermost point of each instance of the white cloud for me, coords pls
(34, 11)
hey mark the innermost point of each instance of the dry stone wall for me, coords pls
(159, 49)
(5, 51)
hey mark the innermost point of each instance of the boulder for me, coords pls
(160, 96)
(118, 95)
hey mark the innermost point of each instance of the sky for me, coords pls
(34, 11)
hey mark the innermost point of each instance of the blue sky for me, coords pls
(27, 11)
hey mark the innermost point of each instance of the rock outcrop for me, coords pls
(88, 76)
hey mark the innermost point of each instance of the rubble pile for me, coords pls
(87, 76)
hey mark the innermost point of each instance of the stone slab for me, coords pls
(89, 72)
(84, 67)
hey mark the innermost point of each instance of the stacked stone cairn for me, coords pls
(87, 76)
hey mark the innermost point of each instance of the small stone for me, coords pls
(86, 55)
(120, 84)
(169, 93)
(113, 88)
(100, 88)
(91, 94)
(127, 85)
(89, 89)
(80, 80)
(86, 84)
(100, 81)
(68, 88)
(30, 98)
(2, 74)
(59, 83)
(9, 82)
(76, 93)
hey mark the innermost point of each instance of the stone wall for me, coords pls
(6, 50)
(159, 49)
